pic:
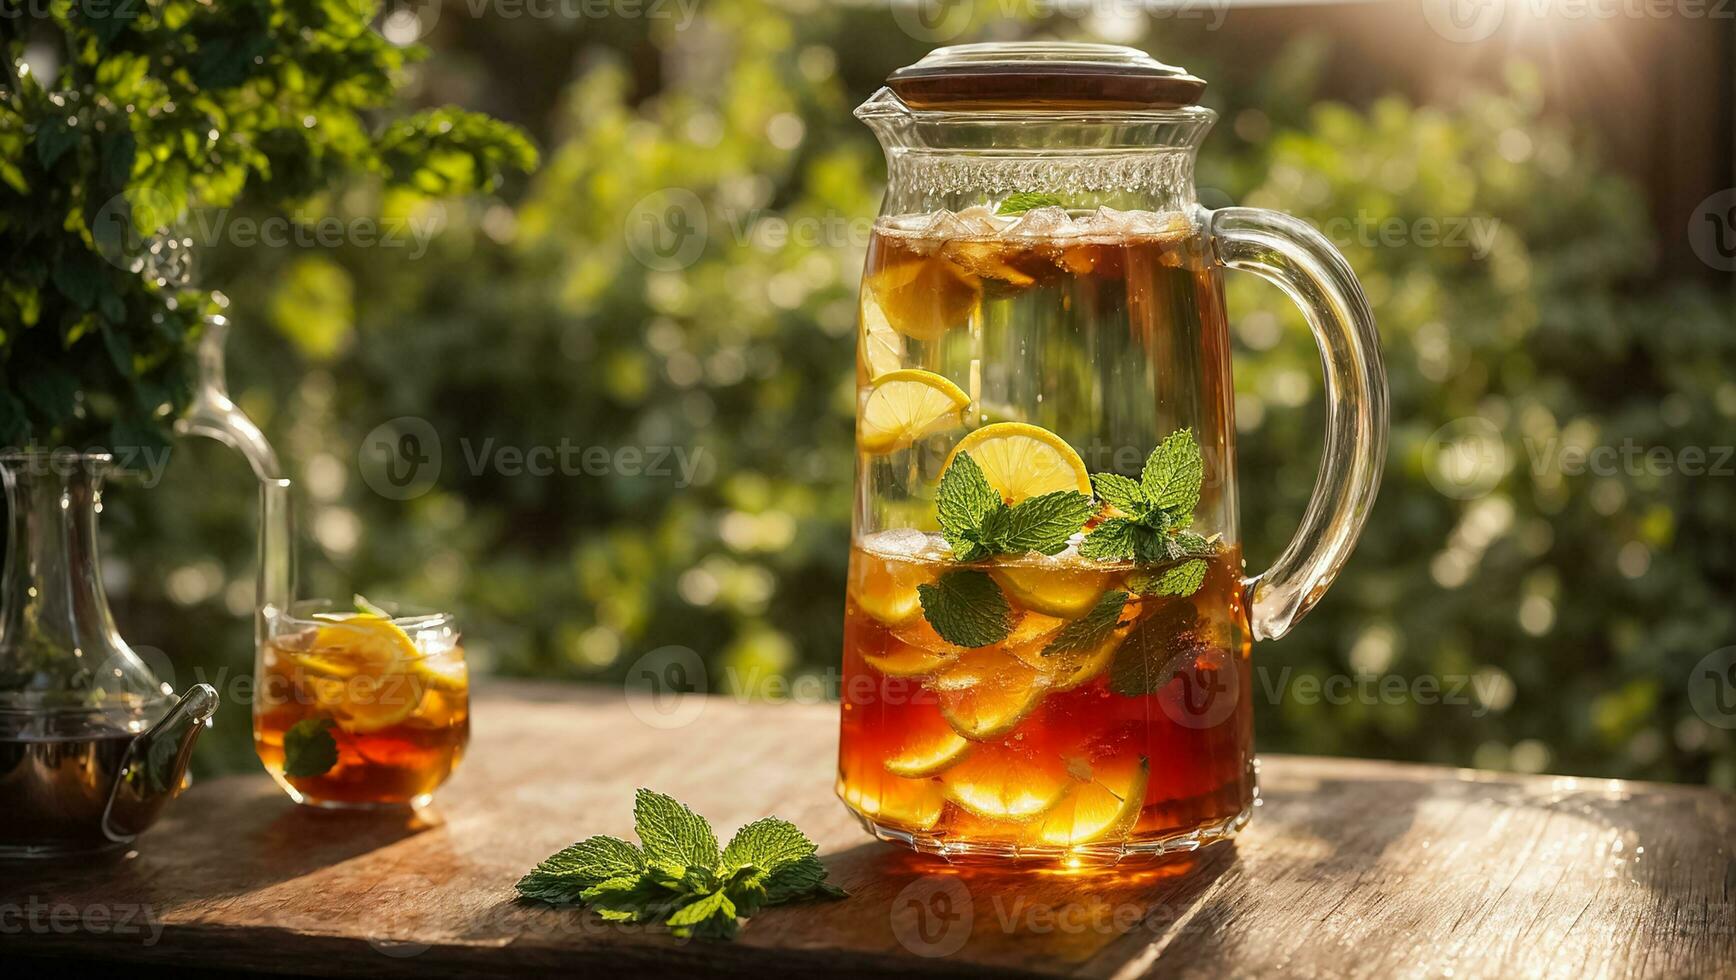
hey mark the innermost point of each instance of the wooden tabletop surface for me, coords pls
(1350, 868)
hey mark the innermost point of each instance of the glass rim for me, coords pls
(304, 613)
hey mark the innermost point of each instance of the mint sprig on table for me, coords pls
(678, 876)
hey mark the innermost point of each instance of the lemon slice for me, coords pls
(925, 297)
(927, 747)
(1064, 592)
(447, 672)
(911, 804)
(882, 347)
(886, 589)
(1022, 461)
(900, 659)
(1078, 672)
(986, 692)
(903, 406)
(999, 784)
(1105, 808)
(383, 687)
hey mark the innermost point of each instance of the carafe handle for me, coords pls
(1300, 261)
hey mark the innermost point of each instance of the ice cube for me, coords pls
(1105, 222)
(898, 542)
(1044, 222)
(981, 222)
(943, 226)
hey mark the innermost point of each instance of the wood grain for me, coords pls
(1350, 868)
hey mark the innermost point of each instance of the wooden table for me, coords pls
(1349, 868)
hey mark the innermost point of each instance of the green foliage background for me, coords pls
(1579, 603)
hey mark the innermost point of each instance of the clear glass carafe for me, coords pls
(1048, 627)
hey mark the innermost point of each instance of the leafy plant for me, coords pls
(116, 119)
(678, 876)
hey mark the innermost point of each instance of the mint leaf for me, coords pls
(309, 748)
(1019, 202)
(709, 916)
(563, 875)
(1154, 650)
(1111, 540)
(1178, 580)
(671, 832)
(1091, 630)
(967, 608)
(767, 862)
(364, 606)
(1153, 546)
(963, 501)
(1041, 524)
(768, 845)
(1192, 544)
(1121, 493)
(1173, 474)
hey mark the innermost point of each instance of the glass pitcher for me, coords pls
(1048, 624)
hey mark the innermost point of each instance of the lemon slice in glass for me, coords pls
(1105, 808)
(900, 659)
(1023, 461)
(986, 692)
(882, 346)
(910, 804)
(926, 746)
(903, 406)
(1067, 593)
(997, 783)
(885, 588)
(383, 687)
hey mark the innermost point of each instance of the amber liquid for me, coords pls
(1109, 334)
(398, 735)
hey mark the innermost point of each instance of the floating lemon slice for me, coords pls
(1000, 785)
(443, 673)
(928, 746)
(903, 406)
(1105, 808)
(882, 347)
(1065, 592)
(900, 659)
(885, 589)
(986, 692)
(1078, 672)
(1023, 461)
(383, 685)
(925, 297)
(911, 804)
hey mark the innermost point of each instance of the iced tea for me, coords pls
(361, 709)
(1046, 644)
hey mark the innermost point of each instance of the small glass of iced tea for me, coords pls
(361, 709)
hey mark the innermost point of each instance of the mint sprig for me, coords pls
(977, 523)
(966, 608)
(1154, 512)
(678, 876)
(1019, 202)
(309, 748)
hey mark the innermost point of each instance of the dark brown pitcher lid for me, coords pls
(1043, 75)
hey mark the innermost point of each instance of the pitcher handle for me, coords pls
(1300, 261)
